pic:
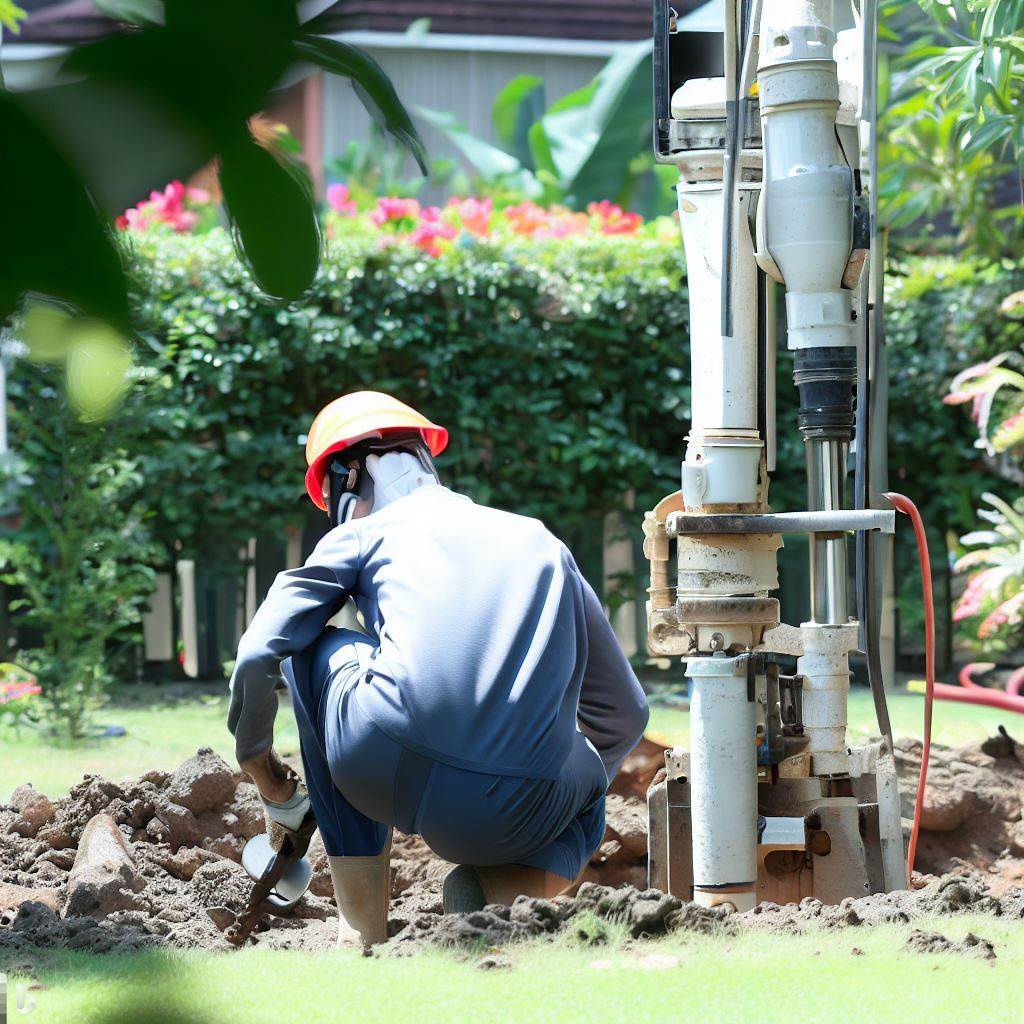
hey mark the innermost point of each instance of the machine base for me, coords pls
(816, 838)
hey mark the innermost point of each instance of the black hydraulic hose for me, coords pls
(732, 156)
(868, 611)
(873, 618)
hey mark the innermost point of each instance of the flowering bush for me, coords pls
(994, 597)
(19, 691)
(400, 219)
(433, 228)
(183, 209)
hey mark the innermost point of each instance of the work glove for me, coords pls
(288, 815)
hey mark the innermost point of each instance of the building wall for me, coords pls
(462, 82)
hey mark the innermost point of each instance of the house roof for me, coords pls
(551, 19)
(60, 21)
(69, 21)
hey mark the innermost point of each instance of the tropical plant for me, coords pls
(131, 112)
(953, 102)
(373, 167)
(10, 16)
(981, 385)
(591, 145)
(994, 598)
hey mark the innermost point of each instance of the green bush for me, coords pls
(79, 557)
(559, 365)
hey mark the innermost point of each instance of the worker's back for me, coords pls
(483, 644)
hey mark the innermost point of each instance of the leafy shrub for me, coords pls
(78, 556)
(557, 364)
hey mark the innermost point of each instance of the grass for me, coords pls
(165, 724)
(954, 724)
(692, 978)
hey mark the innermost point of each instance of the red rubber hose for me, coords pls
(967, 672)
(1015, 682)
(906, 506)
(980, 695)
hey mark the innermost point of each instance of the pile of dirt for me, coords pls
(973, 816)
(130, 865)
(116, 866)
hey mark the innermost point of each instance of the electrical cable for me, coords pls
(907, 507)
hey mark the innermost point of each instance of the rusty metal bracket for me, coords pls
(681, 524)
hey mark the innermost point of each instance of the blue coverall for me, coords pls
(488, 707)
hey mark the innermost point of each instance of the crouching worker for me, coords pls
(488, 706)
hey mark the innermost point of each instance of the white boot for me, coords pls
(362, 889)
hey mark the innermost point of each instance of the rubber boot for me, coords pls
(467, 889)
(362, 890)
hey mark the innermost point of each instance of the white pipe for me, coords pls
(724, 449)
(808, 187)
(723, 783)
(723, 370)
(825, 666)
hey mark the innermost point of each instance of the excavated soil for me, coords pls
(124, 866)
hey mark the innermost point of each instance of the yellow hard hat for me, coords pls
(355, 417)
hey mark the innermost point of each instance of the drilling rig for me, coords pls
(776, 194)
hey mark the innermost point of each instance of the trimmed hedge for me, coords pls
(557, 366)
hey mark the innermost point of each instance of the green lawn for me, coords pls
(752, 978)
(162, 731)
(953, 725)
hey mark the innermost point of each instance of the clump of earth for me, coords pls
(148, 862)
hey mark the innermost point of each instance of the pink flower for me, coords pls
(338, 200)
(166, 207)
(979, 587)
(526, 218)
(17, 689)
(429, 234)
(474, 214)
(613, 220)
(392, 208)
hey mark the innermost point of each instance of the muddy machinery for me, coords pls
(776, 194)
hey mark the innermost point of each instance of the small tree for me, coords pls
(78, 556)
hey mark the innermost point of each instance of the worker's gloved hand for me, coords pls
(289, 814)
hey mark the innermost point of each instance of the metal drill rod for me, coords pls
(826, 487)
